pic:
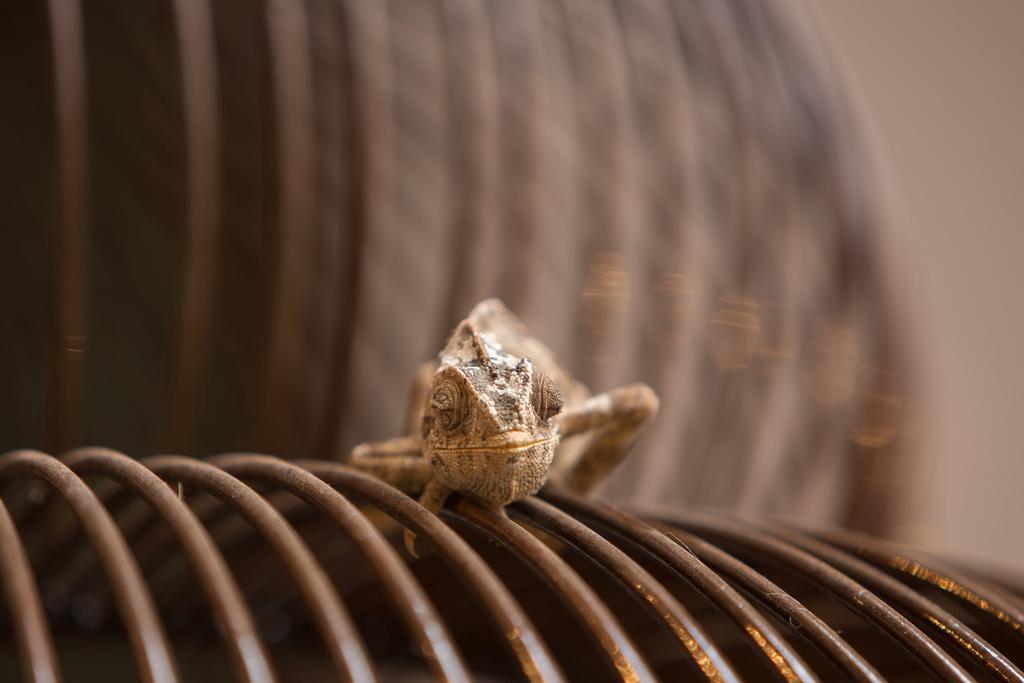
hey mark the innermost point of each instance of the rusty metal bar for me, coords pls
(944, 624)
(651, 594)
(784, 661)
(293, 100)
(248, 569)
(198, 59)
(854, 594)
(208, 512)
(242, 550)
(115, 498)
(67, 43)
(1011, 586)
(587, 607)
(517, 631)
(135, 604)
(473, 113)
(36, 656)
(367, 34)
(343, 643)
(142, 533)
(245, 648)
(992, 601)
(421, 618)
(306, 488)
(789, 610)
(515, 33)
(52, 558)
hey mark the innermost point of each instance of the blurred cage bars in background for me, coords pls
(236, 226)
(241, 226)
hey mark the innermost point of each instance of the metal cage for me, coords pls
(267, 569)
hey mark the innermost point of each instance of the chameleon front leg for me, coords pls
(616, 417)
(399, 462)
(434, 495)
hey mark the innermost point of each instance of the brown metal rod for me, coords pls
(988, 599)
(851, 592)
(652, 595)
(784, 661)
(66, 39)
(209, 513)
(788, 609)
(148, 537)
(293, 99)
(419, 614)
(246, 650)
(135, 604)
(1011, 586)
(372, 82)
(940, 621)
(339, 635)
(36, 656)
(198, 58)
(138, 534)
(230, 536)
(517, 631)
(240, 547)
(473, 109)
(521, 222)
(587, 607)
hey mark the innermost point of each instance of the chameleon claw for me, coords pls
(410, 544)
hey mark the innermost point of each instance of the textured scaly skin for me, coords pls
(493, 411)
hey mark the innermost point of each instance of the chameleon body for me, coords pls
(489, 419)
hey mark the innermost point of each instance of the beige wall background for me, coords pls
(941, 85)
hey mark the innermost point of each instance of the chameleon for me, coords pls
(493, 417)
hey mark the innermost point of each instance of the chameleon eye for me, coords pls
(547, 399)
(448, 405)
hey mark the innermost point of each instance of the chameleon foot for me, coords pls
(433, 497)
(410, 544)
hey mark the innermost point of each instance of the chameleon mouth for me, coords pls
(504, 442)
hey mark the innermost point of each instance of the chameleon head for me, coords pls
(486, 426)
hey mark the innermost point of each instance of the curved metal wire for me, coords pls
(710, 661)
(368, 34)
(198, 58)
(293, 95)
(940, 622)
(993, 601)
(145, 632)
(784, 661)
(36, 655)
(311, 492)
(517, 632)
(790, 611)
(851, 592)
(419, 614)
(337, 632)
(592, 613)
(245, 647)
(70, 233)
